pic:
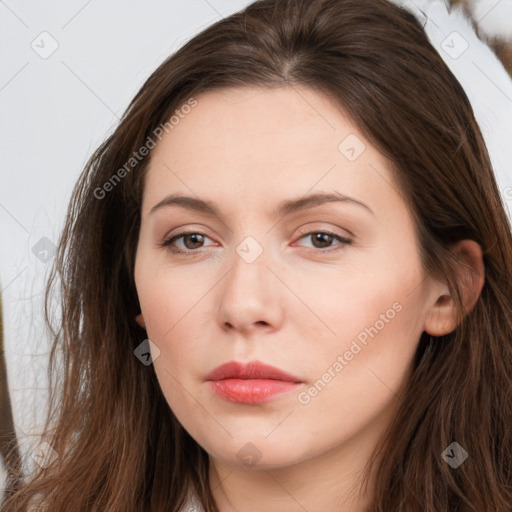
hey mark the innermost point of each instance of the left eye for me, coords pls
(324, 239)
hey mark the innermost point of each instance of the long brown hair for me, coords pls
(119, 445)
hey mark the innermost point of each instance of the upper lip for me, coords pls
(251, 370)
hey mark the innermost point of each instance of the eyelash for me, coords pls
(168, 241)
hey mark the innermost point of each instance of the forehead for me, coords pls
(295, 118)
(257, 142)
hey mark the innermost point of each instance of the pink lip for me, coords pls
(252, 370)
(252, 383)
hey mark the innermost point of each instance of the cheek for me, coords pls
(356, 376)
(363, 296)
(175, 306)
(171, 308)
(168, 296)
(372, 321)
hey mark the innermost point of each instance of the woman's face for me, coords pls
(262, 283)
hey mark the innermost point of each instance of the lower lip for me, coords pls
(251, 391)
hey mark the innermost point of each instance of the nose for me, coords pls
(251, 296)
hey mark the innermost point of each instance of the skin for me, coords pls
(298, 306)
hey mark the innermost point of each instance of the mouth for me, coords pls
(252, 384)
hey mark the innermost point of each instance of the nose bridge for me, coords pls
(247, 296)
(248, 268)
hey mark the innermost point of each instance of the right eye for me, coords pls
(193, 238)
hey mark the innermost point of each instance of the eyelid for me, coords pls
(186, 229)
(307, 230)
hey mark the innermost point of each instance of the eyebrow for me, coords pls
(286, 207)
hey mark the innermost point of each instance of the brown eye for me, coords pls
(191, 241)
(321, 240)
(324, 240)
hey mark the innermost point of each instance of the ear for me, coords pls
(470, 275)
(140, 320)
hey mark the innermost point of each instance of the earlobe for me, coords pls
(140, 320)
(470, 275)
